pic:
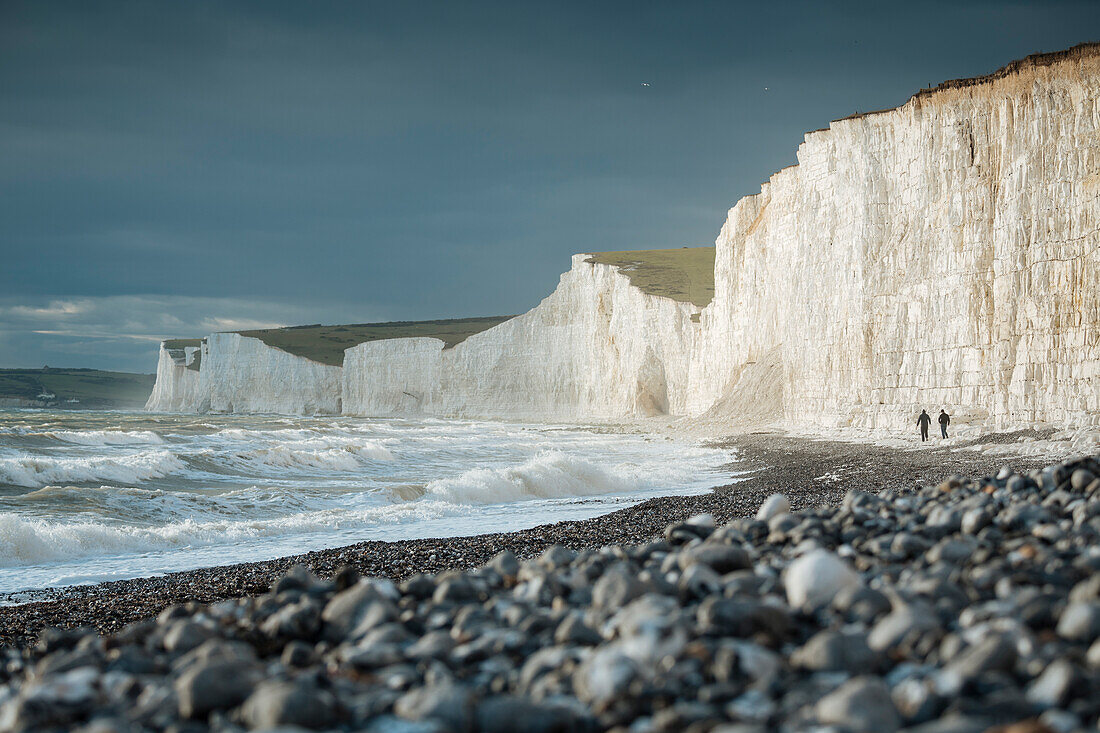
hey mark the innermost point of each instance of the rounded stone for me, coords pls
(450, 704)
(861, 705)
(1080, 622)
(507, 713)
(185, 635)
(814, 579)
(773, 506)
(275, 704)
(721, 558)
(213, 685)
(834, 651)
(1081, 478)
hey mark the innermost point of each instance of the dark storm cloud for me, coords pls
(355, 161)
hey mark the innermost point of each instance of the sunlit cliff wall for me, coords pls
(177, 382)
(242, 374)
(944, 253)
(596, 348)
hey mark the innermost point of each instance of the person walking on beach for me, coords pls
(924, 421)
(945, 420)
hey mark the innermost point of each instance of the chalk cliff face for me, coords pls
(945, 253)
(393, 377)
(596, 348)
(242, 374)
(176, 388)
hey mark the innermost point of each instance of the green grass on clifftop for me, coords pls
(685, 274)
(93, 388)
(326, 344)
(182, 343)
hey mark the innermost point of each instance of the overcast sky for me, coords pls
(168, 169)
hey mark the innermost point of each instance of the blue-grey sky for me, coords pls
(172, 168)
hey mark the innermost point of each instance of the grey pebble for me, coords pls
(451, 705)
(836, 651)
(1080, 622)
(299, 703)
(214, 685)
(862, 705)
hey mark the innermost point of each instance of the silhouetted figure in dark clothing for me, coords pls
(945, 420)
(924, 421)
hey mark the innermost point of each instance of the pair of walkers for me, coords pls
(925, 420)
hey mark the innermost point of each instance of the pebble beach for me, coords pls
(838, 587)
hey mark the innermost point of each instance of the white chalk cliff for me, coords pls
(177, 385)
(596, 348)
(944, 253)
(242, 374)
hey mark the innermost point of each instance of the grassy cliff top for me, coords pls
(326, 344)
(182, 343)
(685, 274)
(92, 387)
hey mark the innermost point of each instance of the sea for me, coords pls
(90, 496)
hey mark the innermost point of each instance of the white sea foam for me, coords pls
(342, 458)
(157, 506)
(105, 437)
(38, 471)
(549, 475)
(278, 435)
(25, 541)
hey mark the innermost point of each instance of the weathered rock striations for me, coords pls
(943, 253)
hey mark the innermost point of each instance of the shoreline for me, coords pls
(809, 471)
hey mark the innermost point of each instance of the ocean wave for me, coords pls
(26, 541)
(38, 471)
(549, 475)
(342, 458)
(105, 437)
(156, 506)
(246, 435)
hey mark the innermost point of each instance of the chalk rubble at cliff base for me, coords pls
(953, 607)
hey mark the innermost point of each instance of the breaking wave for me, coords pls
(26, 541)
(549, 475)
(341, 458)
(37, 471)
(244, 435)
(105, 437)
(128, 504)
